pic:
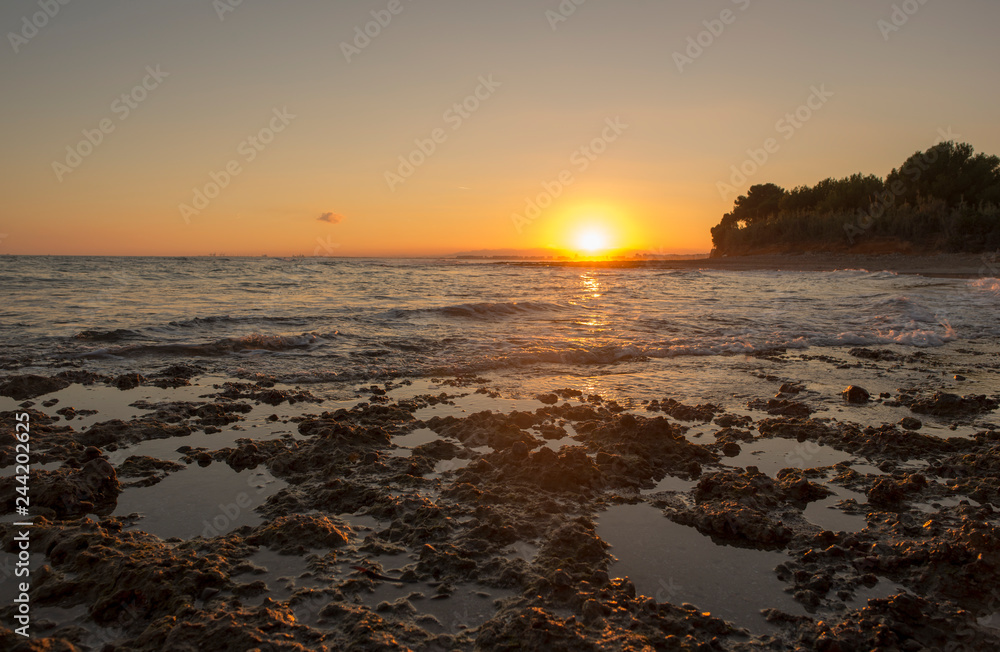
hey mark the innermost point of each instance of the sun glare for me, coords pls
(591, 241)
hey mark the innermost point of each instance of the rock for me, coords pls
(128, 381)
(781, 407)
(731, 449)
(69, 492)
(856, 395)
(20, 388)
(873, 354)
(942, 404)
(886, 492)
(547, 399)
(910, 423)
(298, 531)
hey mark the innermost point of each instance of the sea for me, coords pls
(324, 320)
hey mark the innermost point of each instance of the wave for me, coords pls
(255, 342)
(987, 283)
(213, 320)
(485, 310)
(116, 335)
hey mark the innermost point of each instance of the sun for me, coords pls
(592, 240)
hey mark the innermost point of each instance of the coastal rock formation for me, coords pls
(24, 387)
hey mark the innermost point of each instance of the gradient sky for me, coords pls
(655, 187)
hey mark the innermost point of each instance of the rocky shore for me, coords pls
(402, 522)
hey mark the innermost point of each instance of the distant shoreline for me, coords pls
(940, 265)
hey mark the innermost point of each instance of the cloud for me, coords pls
(331, 218)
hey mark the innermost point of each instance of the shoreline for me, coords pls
(453, 515)
(940, 265)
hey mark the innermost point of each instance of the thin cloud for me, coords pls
(330, 218)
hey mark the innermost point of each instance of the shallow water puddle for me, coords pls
(197, 501)
(361, 522)
(472, 403)
(10, 471)
(883, 589)
(418, 437)
(934, 506)
(772, 455)
(110, 402)
(671, 483)
(675, 563)
(285, 574)
(469, 606)
(828, 516)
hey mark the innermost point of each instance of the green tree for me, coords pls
(761, 202)
(949, 172)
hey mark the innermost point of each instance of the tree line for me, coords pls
(946, 198)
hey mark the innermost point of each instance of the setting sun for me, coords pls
(592, 240)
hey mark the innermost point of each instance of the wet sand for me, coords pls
(175, 510)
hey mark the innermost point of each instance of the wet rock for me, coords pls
(128, 381)
(942, 404)
(856, 395)
(682, 412)
(547, 399)
(497, 431)
(570, 470)
(298, 532)
(873, 354)
(49, 442)
(781, 406)
(122, 433)
(649, 448)
(881, 443)
(68, 492)
(149, 469)
(733, 421)
(262, 393)
(902, 621)
(82, 377)
(910, 423)
(731, 449)
(20, 388)
(250, 454)
(733, 435)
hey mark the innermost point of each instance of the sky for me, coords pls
(429, 127)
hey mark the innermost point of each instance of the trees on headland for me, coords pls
(944, 199)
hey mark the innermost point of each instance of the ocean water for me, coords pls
(359, 320)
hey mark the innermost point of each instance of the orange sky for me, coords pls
(516, 128)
